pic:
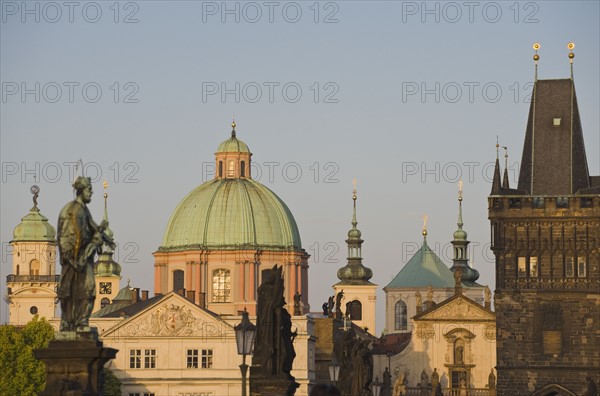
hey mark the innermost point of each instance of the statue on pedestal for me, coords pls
(79, 238)
(274, 342)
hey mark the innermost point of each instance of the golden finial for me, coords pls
(105, 185)
(497, 146)
(424, 232)
(354, 190)
(536, 57)
(460, 189)
(570, 46)
(233, 124)
(536, 47)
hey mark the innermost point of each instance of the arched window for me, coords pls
(221, 289)
(354, 309)
(220, 168)
(243, 169)
(104, 302)
(18, 270)
(231, 169)
(34, 267)
(400, 316)
(177, 280)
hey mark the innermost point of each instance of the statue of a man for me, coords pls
(338, 304)
(435, 381)
(79, 238)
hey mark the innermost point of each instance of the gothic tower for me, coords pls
(546, 239)
(32, 284)
(359, 293)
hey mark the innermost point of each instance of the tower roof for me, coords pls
(233, 144)
(423, 269)
(354, 272)
(554, 160)
(34, 227)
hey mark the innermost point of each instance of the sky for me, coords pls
(406, 97)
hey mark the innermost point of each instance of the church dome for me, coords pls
(34, 228)
(231, 213)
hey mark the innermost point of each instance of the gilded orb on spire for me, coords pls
(536, 47)
(570, 46)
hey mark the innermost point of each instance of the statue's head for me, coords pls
(83, 188)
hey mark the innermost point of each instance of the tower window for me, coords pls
(562, 202)
(34, 267)
(533, 266)
(538, 203)
(569, 267)
(104, 302)
(400, 316)
(581, 267)
(220, 168)
(177, 280)
(231, 169)
(522, 266)
(243, 169)
(221, 285)
(354, 310)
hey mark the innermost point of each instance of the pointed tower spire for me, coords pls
(496, 186)
(461, 244)
(354, 272)
(505, 183)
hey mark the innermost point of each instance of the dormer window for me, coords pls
(556, 122)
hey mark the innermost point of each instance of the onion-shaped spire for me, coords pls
(354, 272)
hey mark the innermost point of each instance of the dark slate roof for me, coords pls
(554, 160)
(116, 309)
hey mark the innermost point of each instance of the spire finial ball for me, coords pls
(536, 57)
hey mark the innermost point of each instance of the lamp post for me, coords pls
(376, 387)
(244, 336)
(334, 371)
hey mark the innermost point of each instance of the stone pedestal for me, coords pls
(272, 386)
(74, 365)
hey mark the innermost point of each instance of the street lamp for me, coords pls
(376, 387)
(244, 336)
(334, 371)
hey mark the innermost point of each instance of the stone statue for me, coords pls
(297, 308)
(419, 302)
(387, 383)
(492, 380)
(463, 387)
(438, 390)
(362, 363)
(338, 304)
(488, 295)
(435, 381)
(273, 347)
(592, 388)
(325, 308)
(79, 239)
(430, 293)
(330, 307)
(458, 358)
(400, 386)
(355, 360)
(424, 378)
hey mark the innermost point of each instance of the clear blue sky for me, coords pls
(403, 96)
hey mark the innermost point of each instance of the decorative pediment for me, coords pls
(173, 316)
(457, 308)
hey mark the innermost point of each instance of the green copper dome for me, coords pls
(35, 228)
(231, 214)
(233, 145)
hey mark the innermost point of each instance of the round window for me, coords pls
(33, 310)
